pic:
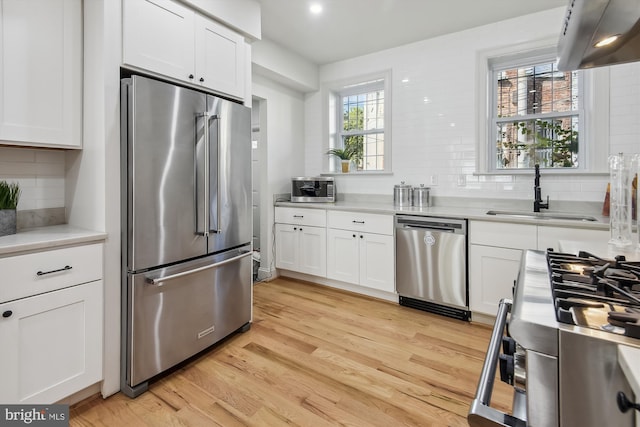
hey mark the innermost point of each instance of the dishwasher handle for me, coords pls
(428, 227)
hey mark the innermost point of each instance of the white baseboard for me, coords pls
(389, 296)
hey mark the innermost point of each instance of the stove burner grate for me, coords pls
(595, 292)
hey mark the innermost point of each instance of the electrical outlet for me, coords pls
(462, 180)
(434, 180)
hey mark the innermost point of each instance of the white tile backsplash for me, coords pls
(40, 173)
(443, 70)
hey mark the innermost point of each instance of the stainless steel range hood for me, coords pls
(588, 22)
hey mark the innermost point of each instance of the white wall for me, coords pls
(93, 174)
(40, 173)
(426, 144)
(282, 66)
(283, 134)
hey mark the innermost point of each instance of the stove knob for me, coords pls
(508, 345)
(506, 369)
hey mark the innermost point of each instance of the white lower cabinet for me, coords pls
(301, 248)
(495, 252)
(358, 257)
(52, 344)
(51, 324)
(589, 240)
(493, 271)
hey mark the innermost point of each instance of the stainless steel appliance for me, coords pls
(431, 264)
(186, 221)
(568, 316)
(310, 189)
(588, 23)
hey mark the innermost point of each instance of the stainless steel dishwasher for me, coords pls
(431, 264)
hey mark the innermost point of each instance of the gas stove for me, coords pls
(597, 293)
(557, 342)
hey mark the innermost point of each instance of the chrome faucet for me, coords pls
(537, 203)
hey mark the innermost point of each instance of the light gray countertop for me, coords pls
(473, 210)
(39, 238)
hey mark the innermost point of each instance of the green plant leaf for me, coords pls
(9, 195)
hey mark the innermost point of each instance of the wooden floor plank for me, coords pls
(317, 356)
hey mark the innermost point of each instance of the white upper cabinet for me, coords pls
(168, 38)
(41, 73)
(158, 35)
(220, 56)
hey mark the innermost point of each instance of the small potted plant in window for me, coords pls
(345, 155)
(9, 195)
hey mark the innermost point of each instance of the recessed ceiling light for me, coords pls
(607, 41)
(315, 8)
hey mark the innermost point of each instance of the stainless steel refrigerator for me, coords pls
(186, 224)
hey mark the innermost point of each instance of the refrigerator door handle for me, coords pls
(160, 280)
(205, 212)
(216, 229)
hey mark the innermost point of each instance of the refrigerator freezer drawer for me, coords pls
(176, 312)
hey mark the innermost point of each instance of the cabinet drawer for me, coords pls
(78, 264)
(313, 217)
(500, 234)
(365, 222)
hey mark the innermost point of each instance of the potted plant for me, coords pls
(344, 154)
(9, 195)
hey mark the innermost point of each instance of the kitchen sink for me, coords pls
(542, 215)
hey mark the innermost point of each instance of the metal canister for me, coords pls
(402, 194)
(421, 197)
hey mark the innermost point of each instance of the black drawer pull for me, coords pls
(7, 313)
(298, 216)
(357, 222)
(42, 273)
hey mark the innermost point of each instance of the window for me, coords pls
(536, 115)
(360, 122)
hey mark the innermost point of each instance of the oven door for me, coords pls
(481, 414)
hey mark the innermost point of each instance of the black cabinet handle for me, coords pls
(42, 273)
(295, 228)
(190, 76)
(298, 216)
(201, 79)
(7, 313)
(354, 235)
(361, 236)
(624, 404)
(357, 222)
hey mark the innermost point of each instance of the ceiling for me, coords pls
(349, 28)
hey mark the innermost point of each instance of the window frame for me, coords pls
(594, 106)
(334, 120)
(532, 59)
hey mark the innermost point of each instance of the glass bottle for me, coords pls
(620, 171)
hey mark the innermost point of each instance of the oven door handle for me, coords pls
(480, 413)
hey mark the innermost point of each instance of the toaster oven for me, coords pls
(313, 189)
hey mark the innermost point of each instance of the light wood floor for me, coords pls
(316, 356)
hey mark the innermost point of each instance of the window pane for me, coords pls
(551, 143)
(369, 150)
(535, 90)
